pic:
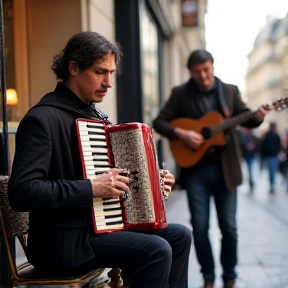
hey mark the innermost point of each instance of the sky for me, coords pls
(231, 28)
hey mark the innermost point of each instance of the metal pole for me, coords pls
(4, 265)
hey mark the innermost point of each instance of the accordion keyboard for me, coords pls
(107, 211)
(94, 148)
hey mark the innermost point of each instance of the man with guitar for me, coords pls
(209, 158)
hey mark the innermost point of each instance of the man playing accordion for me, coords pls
(47, 181)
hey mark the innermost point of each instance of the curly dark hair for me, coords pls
(198, 57)
(83, 48)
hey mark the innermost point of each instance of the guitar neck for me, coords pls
(233, 121)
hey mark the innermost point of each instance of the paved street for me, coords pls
(263, 234)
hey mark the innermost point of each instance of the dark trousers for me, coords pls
(154, 259)
(250, 161)
(272, 164)
(200, 184)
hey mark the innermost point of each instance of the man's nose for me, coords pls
(203, 74)
(107, 81)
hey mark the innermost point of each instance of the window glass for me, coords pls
(150, 67)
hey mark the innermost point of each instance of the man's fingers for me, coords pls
(123, 179)
(168, 181)
(121, 186)
(116, 192)
(167, 188)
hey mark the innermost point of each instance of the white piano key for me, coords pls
(99, 163)
(116, 219)
(97, 150)
(91, 177)
(106, 200)
(104, 227)
(93, 170)
(85, 132)
(95, 157)
(102, 207)
(87, 137)
(94, 137)
(108, 213)
(90, 143)
(98, 129)
(100, 222)
(109, 220)
(111, 200)
(89, 155)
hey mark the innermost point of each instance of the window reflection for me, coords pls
(150, 70)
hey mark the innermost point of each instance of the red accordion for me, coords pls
(128, 146)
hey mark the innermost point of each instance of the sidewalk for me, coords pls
(262, 230)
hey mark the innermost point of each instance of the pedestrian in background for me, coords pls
(249, 148)
(270, 148)
(220, 174)
(283, 157)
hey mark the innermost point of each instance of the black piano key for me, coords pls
(111, 209)
(98, 146)
(111, 202)
(98, 153)
(95, 133)
(99, 160)
(98, 140)
(114, 223)
(112, 216)
(94, 126)
(101, 166)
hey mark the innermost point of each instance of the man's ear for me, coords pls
(73, 68)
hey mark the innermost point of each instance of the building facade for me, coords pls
(267, 75)
(156, 38)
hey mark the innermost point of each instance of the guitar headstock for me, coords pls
(280, 104)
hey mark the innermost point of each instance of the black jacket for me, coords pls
(271, 144)
(47, 181)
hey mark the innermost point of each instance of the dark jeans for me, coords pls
(272, 163)
(200, 184)
(154, 259)
(250, 161)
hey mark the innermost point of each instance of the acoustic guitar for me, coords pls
(211, 126)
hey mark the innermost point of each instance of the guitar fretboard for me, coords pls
(233, 121)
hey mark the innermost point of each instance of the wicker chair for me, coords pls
(15, 224)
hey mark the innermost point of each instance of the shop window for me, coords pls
(150, 65)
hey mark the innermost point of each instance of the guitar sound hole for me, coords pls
(206, 132)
